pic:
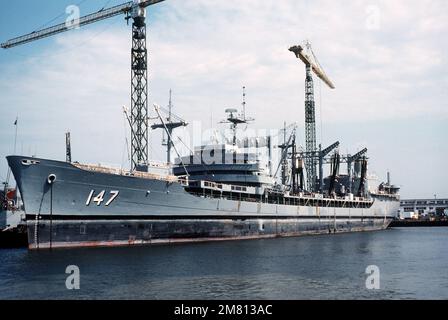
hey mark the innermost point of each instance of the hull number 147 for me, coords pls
(99, 198)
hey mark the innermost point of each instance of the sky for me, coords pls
(388, 60)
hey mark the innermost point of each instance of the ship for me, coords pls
(13, 229)
(11, 210)
(234, 197)
(219, 191)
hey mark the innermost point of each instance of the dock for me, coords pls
(419, 223)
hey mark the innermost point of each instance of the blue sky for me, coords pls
(387, 59)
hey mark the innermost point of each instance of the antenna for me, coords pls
(244, 102)
(165, 141)
(15, 134)
(8, 173)
(68, 148)
(172, 122)
(168, 130)
(235, 119)
(170, 106)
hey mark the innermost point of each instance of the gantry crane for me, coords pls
(311, 64)
(135, 10)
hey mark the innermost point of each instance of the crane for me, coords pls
(350, 160)
(347, 158)
(135, 10)
(322, 155)
(335, 162)
(311, 64)
(284, 147)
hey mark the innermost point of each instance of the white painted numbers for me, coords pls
(73, 280)
(373, 279)
(114, 195)
(99, 198)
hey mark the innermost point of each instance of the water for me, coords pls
(412, 261)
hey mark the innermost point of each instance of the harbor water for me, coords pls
(412, 264)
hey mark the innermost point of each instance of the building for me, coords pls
(415, 208)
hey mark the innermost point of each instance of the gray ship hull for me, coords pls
(3, 222)
(74, 211)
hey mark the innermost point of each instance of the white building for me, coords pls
(415, 208)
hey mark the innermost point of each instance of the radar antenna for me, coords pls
(235, 119)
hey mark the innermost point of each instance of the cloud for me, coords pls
(234, 43)
(207, 50)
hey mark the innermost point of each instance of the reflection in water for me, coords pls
(412, 262)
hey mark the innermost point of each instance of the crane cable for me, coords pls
(72, 47)
(58, 16)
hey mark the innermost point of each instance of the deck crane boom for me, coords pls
(322, 154)
(350, 160)
(135, 10)
(310, 113)
(284, 147)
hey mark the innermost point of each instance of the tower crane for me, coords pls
(135, 10)
(311, 64)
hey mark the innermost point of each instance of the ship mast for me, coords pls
(168, 125)
(235, 119)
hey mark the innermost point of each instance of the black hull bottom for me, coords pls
(66, 234)
(15, 238)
